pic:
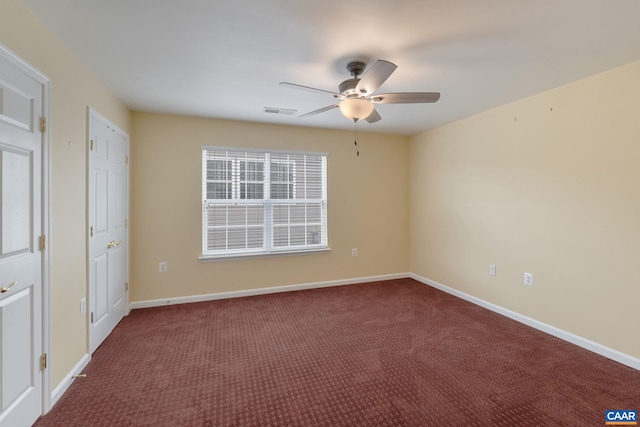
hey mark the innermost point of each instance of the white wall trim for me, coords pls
(592, 346)
(64, 385)
(600, 349)
(262, 291)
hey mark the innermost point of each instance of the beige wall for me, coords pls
(367, 207)
(73, 88)
(548, 185)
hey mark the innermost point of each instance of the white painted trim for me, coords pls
(262, 254)
(262, 291)
(69, 379)
(102, 119)
(592, 346)
(46, 230)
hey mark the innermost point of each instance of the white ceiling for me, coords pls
(225, 59)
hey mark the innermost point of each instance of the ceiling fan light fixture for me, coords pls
(357, 97)
(356, 108)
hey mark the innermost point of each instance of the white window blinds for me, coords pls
(262, 202)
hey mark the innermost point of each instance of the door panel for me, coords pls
(16, 317)
(16, 204)
(21, 259)
(102, 287)
(119, 271)
(119, 205)
(108, 246)
(16, 106)
(101, 202)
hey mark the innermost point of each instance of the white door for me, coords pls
(21, 254)
(108, 237)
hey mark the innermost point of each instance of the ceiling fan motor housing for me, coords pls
(348, 87)
(356, 68)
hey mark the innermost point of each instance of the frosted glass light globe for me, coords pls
(356, 108)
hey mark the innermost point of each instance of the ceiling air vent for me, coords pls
(285, 111)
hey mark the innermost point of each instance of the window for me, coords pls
(259, 202)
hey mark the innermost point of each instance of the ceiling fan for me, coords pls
(357, 97)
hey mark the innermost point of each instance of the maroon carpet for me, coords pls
(394, 353)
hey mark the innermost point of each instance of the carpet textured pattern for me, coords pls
(392, 353)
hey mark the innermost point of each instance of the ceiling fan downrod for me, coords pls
(355, 142)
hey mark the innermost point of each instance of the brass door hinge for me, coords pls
(43, 124)
(43, 243)
(43, 361)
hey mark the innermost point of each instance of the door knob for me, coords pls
(114, 244)
(8, 287)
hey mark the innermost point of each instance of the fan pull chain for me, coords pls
(355, 143)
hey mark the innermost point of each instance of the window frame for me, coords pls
(269, 248)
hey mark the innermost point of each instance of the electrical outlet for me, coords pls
(163, 266)
(83, 305)
(528, 279)
(354, 252)
(492, 270)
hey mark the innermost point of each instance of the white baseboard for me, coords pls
(68, 380)
(261, 291)
(600, 349)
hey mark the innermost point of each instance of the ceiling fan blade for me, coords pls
(322, 110)
(373, 117)
(405, 98)
(375, 76)
(309, 89)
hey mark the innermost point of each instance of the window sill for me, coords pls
(252, 255)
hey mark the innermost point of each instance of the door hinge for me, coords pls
(126, 160)
(92, 145)
(43, 243)
(92, 317)
(126, 286)
(43, 124)
(43, 361)
(126, 223)
(91, 231)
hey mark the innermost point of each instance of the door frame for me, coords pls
(91, 113)
(43, 80)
